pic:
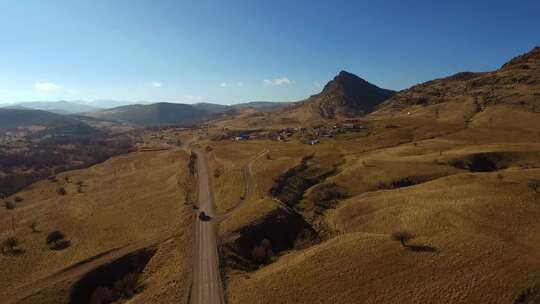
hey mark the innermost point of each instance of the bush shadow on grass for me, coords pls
(14, 252)
(421, 248)
(60, 245)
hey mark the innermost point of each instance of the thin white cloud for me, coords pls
(277, 81)
(317, 84)
(230, 84)
(157, 84)
(46, 86)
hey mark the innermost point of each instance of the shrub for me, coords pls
(57, 240)
(402, 236)
(259, 254)
(534, 185)
(326, 195)
(9, 205)
(55, 236)
(266, 243)
(9, 245)
(61, 191)
(192, 163)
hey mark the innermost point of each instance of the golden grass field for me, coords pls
(455, 162)
(477, 233)
(129, 202)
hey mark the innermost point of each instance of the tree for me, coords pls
(9, 245)
(258, 254)
(402, 236)
(61, 191)
(9, 205)
(127, 286)
(534, 185)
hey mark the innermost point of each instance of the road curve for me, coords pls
(206, 288)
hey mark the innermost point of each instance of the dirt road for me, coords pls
(206, 288)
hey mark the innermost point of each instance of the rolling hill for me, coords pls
(154, 114)
(14, 118)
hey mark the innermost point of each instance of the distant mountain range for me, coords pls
(59, 107)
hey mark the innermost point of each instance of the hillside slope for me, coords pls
(516, 84)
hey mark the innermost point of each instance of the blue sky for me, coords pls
(233, 51)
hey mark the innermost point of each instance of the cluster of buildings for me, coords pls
(311, 135)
